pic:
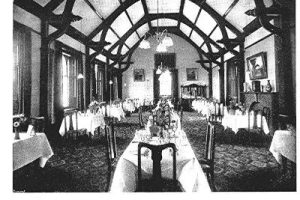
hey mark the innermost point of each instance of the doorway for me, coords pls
(165, 83)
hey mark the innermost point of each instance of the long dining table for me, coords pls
(188, 170)
(30, 148)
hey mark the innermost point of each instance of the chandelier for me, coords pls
(162, 39)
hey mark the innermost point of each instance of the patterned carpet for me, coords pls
(81, 166)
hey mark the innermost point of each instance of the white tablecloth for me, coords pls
(29, 148)
(235, 122)
(86, 121)
(283, 144)
(189, 172)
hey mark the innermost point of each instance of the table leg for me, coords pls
(284, 164)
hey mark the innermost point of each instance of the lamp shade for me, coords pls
(167, 41)
(161, 48)
(158, 71)
(80, 76)
(144, 44)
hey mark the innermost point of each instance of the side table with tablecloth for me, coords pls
(30, 148)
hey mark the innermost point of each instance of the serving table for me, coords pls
(29, 148)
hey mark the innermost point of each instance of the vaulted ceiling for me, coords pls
(122, 24)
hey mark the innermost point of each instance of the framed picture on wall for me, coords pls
(138, 75)
(191, 74)
(257, 65)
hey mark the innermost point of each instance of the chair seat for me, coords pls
(166, 185)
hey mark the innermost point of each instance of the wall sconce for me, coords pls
(110, 82)
(80, 76)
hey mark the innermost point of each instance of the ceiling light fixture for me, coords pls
(162, 38)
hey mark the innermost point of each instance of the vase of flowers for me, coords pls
(268, 87)
(17, 131)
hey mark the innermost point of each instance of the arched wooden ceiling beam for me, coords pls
(262, 13)
(146, 13)
(39, 11)
(217, 16)
(172, 30)
(122, 57)
(65, 19)
(110, 19)
(174, 16)
(202, 63)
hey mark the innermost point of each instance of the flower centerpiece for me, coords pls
(161, 115)
(93, 106)
(19, 122)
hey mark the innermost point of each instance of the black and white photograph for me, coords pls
(139, 75)
(148, 97)
(257, 66)
(191, 74)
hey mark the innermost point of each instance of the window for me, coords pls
(99, 82)
(69, 80)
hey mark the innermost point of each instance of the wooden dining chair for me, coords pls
(266, 112)
(72, 132)
(157, 183)
(111, 149)
(38, 123)
(207, 162)
(140, 111)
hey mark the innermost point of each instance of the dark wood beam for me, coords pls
(126, 62)
(182, 2)
(262, 14)
(37, 10)
(146, 13)
(129, 18)
(143, 20)
(52, 5)
(96, 45)
(203, 61)
(222, 81)
(210, 81)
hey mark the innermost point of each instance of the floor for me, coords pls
(80, 166)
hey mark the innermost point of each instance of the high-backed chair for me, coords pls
(111, 149)
(70, 121)
(38, 123)
(207, 162)
(266, 112)
(156, 183)
(140, 111)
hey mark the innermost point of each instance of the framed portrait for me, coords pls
(139, 75)
(257, 65)
(191, 74)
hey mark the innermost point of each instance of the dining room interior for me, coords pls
(154, 96)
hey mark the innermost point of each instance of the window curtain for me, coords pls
(21, 70)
